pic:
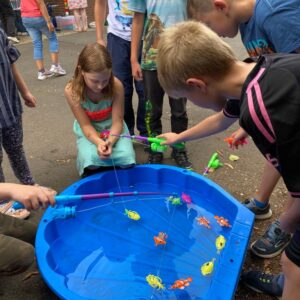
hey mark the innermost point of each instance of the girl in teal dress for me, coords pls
(96, 99)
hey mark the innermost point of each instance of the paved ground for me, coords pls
(50, 148)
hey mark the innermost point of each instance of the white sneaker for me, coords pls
(58, 70)
(44, 75)
(13, 39)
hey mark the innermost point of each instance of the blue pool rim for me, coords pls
(227, 274)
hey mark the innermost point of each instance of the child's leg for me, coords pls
(32, 27)
(268, 182)
(179, 119)
(53, 43)
(12, 140)
(119, 50)
(2, 177)
(84, 19)
(16, 245)
(77, 18)
(290, 261)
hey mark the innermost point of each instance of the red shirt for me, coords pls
(30, 9)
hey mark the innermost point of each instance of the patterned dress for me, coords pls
(100, 117)
(75, 4)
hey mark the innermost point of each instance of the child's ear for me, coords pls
(197, 83)
(221, 5)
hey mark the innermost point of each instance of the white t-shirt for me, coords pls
(120, 19)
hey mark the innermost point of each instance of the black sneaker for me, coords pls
(181, 158)
(264, 283)
(260, 213)
(272, 242)
(155, 157)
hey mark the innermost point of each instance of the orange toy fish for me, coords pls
(222, 221)
(160, 239)
(181, 283)
(203, 221)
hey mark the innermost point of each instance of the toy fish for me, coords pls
(208, 267)
(155, 281)
(131, 214)
(222, 221)
(220, 243)
(240, 142)
(203, 221)
(174, 200)
(186, 198)
(181, 283)
(160, 239)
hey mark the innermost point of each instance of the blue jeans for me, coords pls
(119, 50)
(36, 27)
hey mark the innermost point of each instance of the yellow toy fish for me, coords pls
(208, 267)
(131, 214)
(220, 243)
(155, 281)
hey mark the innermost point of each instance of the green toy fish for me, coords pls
(208, 267)
(131, 214)
(220, 243)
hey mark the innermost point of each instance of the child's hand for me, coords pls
(32, 197)
(136, 71)
(29, 99)
(170, 138)
(239, 135)
(50, 26)
(104, 149)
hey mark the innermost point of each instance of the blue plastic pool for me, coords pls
(102, 254)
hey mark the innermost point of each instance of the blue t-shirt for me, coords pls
(274, 27)
(160, 14)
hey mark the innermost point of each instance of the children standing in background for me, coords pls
(119, 46)
(265, 96)
(159, 15)
(265, 27)
(78, 8)
(37, 21)
(96, 99)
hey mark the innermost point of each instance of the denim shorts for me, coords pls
(36, 27)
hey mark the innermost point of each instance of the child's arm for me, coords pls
(100, 16)
(86, 126)
(117, 117)
(32, 197)
(22, 87)
(136, 36)
(209, 126)
(44, 12)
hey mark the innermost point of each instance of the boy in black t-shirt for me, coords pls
(193, 62)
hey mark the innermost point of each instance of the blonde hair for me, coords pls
(198, 7)
(93, 58)
(191, 50)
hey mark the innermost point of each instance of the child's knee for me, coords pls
(290, 269)
(16, 256)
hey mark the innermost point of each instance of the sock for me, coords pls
(260, 204)
(42, 70)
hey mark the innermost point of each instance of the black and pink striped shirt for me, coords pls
(269, 110)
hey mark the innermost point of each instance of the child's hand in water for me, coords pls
(105, 149)
(170, 138)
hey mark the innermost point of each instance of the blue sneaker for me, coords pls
(264, 283)
(272, 243)
(260, 213)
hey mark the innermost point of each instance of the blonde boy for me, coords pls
(193, 62)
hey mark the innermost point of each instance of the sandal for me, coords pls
(7, 209)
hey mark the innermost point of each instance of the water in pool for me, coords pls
(103, 254)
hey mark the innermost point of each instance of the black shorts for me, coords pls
(292, 251)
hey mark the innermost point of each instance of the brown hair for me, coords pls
(198, 7)
(93, 58)
(190, 49)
